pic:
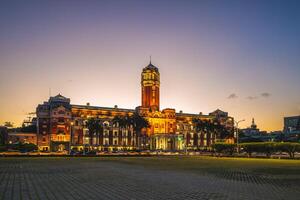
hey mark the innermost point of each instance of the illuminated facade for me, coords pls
(62, 126)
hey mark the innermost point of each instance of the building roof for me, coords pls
(131, 110)
(151, 67)
(292, 117)
(102, 108)
(218, 112)
(59, 98)
(21, 134)
(191, 115)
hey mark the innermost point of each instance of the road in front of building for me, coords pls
(95, 178)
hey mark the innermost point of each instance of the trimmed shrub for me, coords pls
(75, 149)
(28, 147)
(3, 148)
(259, 147)
(23, 147)
(289, 147)
(270, 147)
(249, 148)
(221, 147)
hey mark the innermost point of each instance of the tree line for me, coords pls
(267, 148)
(135, 122)
(212, 126)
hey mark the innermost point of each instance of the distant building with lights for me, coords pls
(252, 130)
(292, 125)
(62, 125)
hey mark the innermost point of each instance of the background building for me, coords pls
(292, 125)
(291, 128)
(252, 130)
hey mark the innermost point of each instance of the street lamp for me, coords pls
(71, 136)
(237, 134)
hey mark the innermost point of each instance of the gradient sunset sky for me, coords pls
(242, 57)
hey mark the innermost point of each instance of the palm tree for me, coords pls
(204, 126)
(220, 130)
(90, 124)
(95, 127)
(138, 123)
(9, 124)
(135, 121)
(128, 124)
(99, 129)
(116, 120)
(200, 125)
(121, 123)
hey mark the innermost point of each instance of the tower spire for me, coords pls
(150, 59)
(253, 125)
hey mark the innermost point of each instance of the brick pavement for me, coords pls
(84, 178)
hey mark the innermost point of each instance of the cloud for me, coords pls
(232, 96)
(251, 97)
(265, 94)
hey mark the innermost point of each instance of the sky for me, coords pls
(239, 56)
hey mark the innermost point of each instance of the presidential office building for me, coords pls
(62, 125)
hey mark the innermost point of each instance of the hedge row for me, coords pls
(3, 148)
(226, 148)
(271, 147)
(22, 147)
(267, 148)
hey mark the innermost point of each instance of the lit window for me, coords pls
(61, 112)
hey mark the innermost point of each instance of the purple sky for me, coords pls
(239, 56)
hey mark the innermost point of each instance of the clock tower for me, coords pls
(150, 82)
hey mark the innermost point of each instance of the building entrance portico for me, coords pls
(59, 146)
(166, 142)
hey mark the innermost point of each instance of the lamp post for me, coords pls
(185, 144)
(71, 136)
(237, 134)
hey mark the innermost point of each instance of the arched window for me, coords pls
(106, 124)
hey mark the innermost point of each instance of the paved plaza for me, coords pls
(105, 178)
